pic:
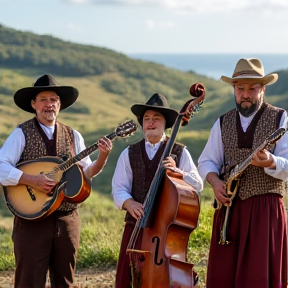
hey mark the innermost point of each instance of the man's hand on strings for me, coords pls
(39, 182)
(169, 162)
(263, 158)
(134, 208)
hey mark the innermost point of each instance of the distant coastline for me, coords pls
(213, 65)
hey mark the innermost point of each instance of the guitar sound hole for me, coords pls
(30, 191)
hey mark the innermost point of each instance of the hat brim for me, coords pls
(169, 114)
(266, 80)
(23, 96)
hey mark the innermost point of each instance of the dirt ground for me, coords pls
(90, 278)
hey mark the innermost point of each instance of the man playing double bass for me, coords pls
(137, 166)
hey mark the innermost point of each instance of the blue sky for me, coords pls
(157, 26)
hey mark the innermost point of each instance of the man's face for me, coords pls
(248, 97)
(153, 124)
(47, 105)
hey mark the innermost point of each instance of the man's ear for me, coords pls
(32, 104)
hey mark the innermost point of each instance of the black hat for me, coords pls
(23, 96)
(156, 102)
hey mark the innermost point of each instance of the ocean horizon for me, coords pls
(213, 65)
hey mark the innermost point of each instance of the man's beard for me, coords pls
(50, 116)
(248, 111)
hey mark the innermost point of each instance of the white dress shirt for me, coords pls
(122, 179)
(13, 147)
(212, 157)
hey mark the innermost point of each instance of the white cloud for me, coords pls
(151, 24)
(77, 1)
(196, 5)
(80, 1)
(74, 27)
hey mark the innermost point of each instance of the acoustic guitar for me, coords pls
(233, 180)
(28, 203)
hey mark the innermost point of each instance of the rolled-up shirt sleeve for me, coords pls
(211, 158)
(190, 172)
(280, 154)
(79, 147)
(10, 154)
(122, 180)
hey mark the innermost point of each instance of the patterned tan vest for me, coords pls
(144, 169)
(38, 145)
(238, 145)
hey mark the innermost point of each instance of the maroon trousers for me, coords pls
(50, 244)
(123, 272)
(257, 256)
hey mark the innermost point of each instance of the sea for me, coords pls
(213, 65)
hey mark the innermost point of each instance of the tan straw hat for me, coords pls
(250, 70)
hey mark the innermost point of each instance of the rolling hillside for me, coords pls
(109, 84)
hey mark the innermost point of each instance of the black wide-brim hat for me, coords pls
(159, 103)
(23, 96)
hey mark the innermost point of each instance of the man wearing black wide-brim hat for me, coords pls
(51, 242)
(137, 166)
(250, 250)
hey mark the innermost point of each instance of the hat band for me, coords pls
(247, 73)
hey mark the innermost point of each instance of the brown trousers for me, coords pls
(50, 244)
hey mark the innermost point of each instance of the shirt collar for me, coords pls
(247, 119)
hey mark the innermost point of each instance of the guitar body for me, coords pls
(72, 186)
(28, 203)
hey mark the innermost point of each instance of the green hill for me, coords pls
(109, 84)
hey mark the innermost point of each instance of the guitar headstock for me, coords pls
(126, 129)
(276, 135)
(192, 106)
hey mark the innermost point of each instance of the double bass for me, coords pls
(171, 210)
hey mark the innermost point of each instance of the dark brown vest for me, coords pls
(238, 145)
(38, 145)
(144, 169)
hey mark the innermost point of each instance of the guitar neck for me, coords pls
(86, 152)
(244, 164)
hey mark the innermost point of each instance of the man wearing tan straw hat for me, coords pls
(50, 243)
(248, 247)
(137, 166)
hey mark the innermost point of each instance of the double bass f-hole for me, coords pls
(157, 239)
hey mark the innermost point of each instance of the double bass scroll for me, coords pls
(171, 211)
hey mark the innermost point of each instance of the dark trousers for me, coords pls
(50, 244)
